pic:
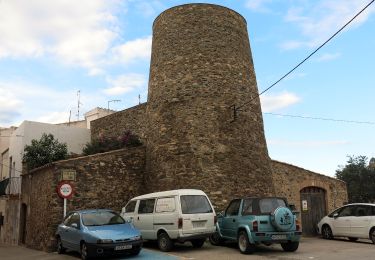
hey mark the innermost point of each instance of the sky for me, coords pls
(50, 50)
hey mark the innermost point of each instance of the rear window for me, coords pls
(268, 205)
(191, 204)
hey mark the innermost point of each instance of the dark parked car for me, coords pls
(97, 233)
(251, 221)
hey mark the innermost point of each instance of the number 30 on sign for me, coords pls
(65, 190)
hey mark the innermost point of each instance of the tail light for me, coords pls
(180, 223)
(255, 226)
(215, 219)
(298, 225)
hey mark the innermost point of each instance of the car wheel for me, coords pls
(327, 232)
(164, 242)
(198, 243)
(60, 248)
(84, 252)
(353, 239)
(372, 235)
(290, 246)
(215, 239)
(244, 244)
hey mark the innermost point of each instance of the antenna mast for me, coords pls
(79, 96)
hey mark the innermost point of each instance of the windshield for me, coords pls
(268, 205)
(101, 218)
(191, 204)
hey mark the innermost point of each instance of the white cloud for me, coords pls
(328, 56)
(125, 83)
(319, 21)
(76, 33)
(133, 50)
(258, 5)
(307, 144)
(272, 103)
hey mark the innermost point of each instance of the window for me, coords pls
(192, 204)
(362, 210)
(146, 206)
(346, 211)
(233, 208)
(74, 220)
(130, 207)
(101, 218)
(165, 205)
(268, 205)
(247, 208)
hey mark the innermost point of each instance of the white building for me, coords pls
(74, 137)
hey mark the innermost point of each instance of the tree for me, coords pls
(44, 151)
(360, 179)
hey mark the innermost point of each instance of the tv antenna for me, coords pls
(79, 103)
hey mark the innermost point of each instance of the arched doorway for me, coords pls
(313, 208)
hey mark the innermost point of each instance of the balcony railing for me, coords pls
(10, 186)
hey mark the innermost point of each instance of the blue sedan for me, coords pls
(97, 233)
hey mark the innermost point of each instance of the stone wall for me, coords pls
(106, 180)
(290, 180)
(201, 65)
(132, 119)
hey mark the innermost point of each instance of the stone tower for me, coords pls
(201, 65)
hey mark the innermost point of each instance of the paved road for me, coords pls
(310, 249)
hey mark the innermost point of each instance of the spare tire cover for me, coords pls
(282, 219)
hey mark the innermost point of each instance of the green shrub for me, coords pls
(104, 144)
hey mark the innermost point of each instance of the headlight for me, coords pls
(104, 241)
(137, 237)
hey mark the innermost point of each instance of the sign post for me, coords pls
(65, 190)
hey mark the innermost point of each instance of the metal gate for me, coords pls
(313, 208)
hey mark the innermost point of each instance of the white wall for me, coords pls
(74, 137)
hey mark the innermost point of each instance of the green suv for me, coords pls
(251, 221)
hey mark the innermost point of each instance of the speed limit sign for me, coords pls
(65, 190)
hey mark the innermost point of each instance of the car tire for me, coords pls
(164, 242)
(198, 243)
(290, 246)
(243, 243)
(327, 232)
(372, 235)
(84, 251)
(353, 239)
(60, 248)
(215, 239)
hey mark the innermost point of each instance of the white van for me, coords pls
(172, 216)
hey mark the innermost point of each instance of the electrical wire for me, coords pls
(322, 118)
(304, 60)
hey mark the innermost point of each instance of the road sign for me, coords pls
(65, 190)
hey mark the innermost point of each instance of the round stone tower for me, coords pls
(201, 65)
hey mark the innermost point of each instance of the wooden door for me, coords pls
(313, 208)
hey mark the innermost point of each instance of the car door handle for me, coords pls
(138, 218)
(234, 220)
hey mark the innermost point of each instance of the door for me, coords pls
(166, 217)
(230, 220)
(144, 219)
(72, 234)
(23, 223)
(360, 222)
(313, 208)
(341, 224)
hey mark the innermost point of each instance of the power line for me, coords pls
(304, 60)
(322, 118)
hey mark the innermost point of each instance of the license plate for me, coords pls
(278, 237)
(123, 247)
(199, 224)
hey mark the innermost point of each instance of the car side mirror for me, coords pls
(336, 215)
(220, 214)
(74, 225)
